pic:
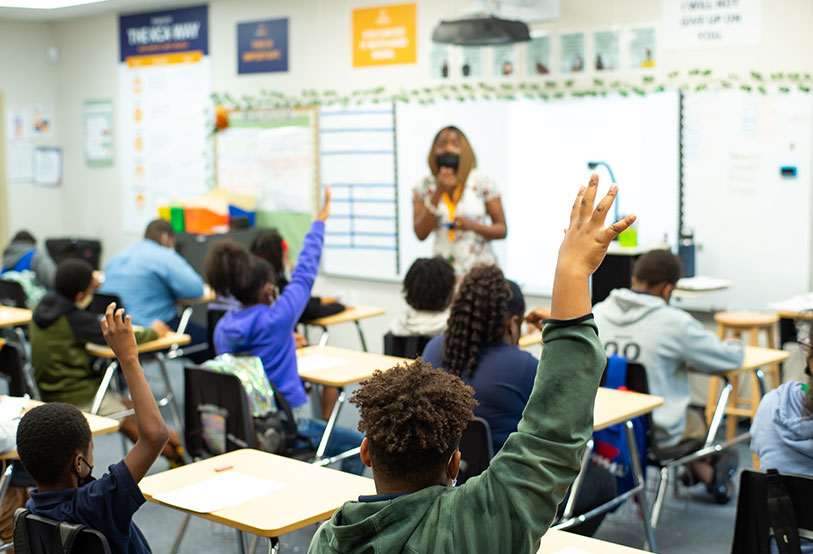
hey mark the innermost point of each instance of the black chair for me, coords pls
(35, 534)
(18, 373)
(405, 347)
(476, 449)
(772, 503)
(213, 315)
(12, 294)
(75, 248)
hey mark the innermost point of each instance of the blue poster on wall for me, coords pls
(169, 32)
(262, 46)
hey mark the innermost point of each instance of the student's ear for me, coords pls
(79, 296)
(666, 293)
(454, 465)
(365, 453)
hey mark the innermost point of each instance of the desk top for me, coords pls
(152, 346)
(757, 356)
(311, 494)
(616, 406)
(357, 365)
(10, 317)
(557, 541)
(208, 296)
(98, 426)
(530, 339)
(353, 313)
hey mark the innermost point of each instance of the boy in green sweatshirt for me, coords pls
(414, 417)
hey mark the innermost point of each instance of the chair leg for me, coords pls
(730, 419)
(659, 497)
(179, 535)
(711, 399)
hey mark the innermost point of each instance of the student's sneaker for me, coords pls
(722, 485)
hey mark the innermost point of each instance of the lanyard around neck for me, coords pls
(451, 205)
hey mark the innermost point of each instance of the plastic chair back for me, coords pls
(12, 294)
(476, 449)
(405, 347)
(35, 534)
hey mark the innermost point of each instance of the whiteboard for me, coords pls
(537, 153)
(751, 225)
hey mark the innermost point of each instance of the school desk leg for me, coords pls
(361, 335)
(638, 474)
(241, 540)
(273, 545)
(325, 336)
(331, 423)
(719, 412)
(574, 490)
(179, 535)
(169, 397)
(105, 384)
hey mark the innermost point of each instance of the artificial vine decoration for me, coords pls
(694, 80)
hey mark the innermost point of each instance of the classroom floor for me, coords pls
(699, 526)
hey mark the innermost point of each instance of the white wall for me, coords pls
(27, 79)
(89, 202)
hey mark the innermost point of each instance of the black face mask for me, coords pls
(448, 159)
(90, 478)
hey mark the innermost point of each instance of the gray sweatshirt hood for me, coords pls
(16, 250)
(625, 306)
(794, 425)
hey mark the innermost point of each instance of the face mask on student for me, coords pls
(448, 159)
(85, 302)
(88, 478)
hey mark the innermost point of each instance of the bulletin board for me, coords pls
(272, 155)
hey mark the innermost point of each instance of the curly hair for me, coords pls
(413, 417)
(231, 270)
(48, 437)
(429, 284)
(478, 317)
(268, 246)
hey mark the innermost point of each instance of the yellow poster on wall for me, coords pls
(384, 35)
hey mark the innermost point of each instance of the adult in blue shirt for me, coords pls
(150, 278)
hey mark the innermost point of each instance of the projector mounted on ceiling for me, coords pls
(480, 30)
(491, 22)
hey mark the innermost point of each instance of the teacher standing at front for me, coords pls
(458, 204)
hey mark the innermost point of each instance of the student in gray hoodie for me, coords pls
(640, 325)
(413, 417)
(22, 254)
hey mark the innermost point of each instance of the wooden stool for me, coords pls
(735, 324)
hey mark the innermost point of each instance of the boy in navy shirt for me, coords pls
(55, 446)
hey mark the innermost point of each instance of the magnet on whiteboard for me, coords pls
(788, 171)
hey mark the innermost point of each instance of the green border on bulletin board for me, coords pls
(108, 105)
(290, 225)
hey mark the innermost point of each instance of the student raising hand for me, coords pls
(583, 248)
(118, 333)
(324, 213)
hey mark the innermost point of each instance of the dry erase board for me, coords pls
(751, 223)
(537, 152)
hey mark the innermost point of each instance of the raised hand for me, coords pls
(118, 332)
(324, 213)
(536, 316)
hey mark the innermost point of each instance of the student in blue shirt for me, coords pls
(150, 278)
(264, 325)
(55, 446)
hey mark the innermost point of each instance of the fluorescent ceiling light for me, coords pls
(46, 4)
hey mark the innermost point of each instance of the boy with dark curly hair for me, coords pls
(55, 446)
(428, 288)
(414, 418)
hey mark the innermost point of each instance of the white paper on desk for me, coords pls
(701, 283)
(798, 303)
(571, 550)
(221, 491)
(317, 362)
(12, 407)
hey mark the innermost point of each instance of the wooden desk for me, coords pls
(208, 296)
(11, 317)
(167, 341)
(352, 366)
(98, 426)
(616, 406)
(311, 494)
(351, 314)
(530, 339)
(555, 541)
(613, 407)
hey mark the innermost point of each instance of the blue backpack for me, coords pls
(610, 449)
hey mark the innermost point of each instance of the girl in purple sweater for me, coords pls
(264, 326)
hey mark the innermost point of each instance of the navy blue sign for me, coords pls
(166, 32)
(262, 46)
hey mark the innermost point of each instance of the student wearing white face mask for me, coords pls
(60, 329)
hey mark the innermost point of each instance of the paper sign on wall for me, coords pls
(262, 46)
(704, 23)
(98, 116)
(384, 35)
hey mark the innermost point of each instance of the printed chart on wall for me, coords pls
(164, 87)
(270, 154)
(357, 158)
(750, 151)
